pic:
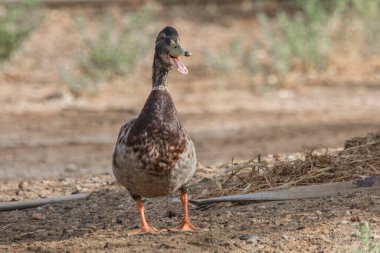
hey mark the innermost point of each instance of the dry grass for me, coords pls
(360, 157)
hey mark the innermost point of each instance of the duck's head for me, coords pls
(169, 50)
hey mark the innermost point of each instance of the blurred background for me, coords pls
(266, 77)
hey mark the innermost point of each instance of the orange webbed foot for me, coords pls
(185, 227)
(144, 230)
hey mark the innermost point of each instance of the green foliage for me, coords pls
(16, 24)
(368, 245)
(114, 49)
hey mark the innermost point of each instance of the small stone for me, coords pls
(76, 190)
(285, 237)
(343, 222)
(262, 207)
(348, 212)
(253, 239)
(38, 216)
(244, 237)
(250, 238)
(355, 219)
(318, 213)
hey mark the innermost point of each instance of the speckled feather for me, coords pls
(158, 131)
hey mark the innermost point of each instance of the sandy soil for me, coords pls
(53, 144)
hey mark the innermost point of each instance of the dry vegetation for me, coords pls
(359, 158)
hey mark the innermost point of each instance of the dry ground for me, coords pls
(100, 224)
(56, 144)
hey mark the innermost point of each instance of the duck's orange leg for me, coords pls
(145, 228)
(186, 225)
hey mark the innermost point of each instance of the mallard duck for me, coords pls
(153, 155)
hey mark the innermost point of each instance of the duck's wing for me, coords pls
(124, 130)
(187, 165)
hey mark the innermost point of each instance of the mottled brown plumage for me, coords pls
(153, 155)
(158, 129)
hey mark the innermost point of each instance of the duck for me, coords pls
(154, 155)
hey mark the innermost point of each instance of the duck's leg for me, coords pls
(186, 225)
(145, 228)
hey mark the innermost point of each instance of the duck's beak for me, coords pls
(175, 52)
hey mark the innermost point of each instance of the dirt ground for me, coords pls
(53, 144)
(101, 223)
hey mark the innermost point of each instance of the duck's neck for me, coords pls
(160, 73)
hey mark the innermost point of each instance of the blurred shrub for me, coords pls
(367, 243)
(368, 13)
(299, 41)
(114, 49)
(223, 61)
(303, 40)
(16, 23)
